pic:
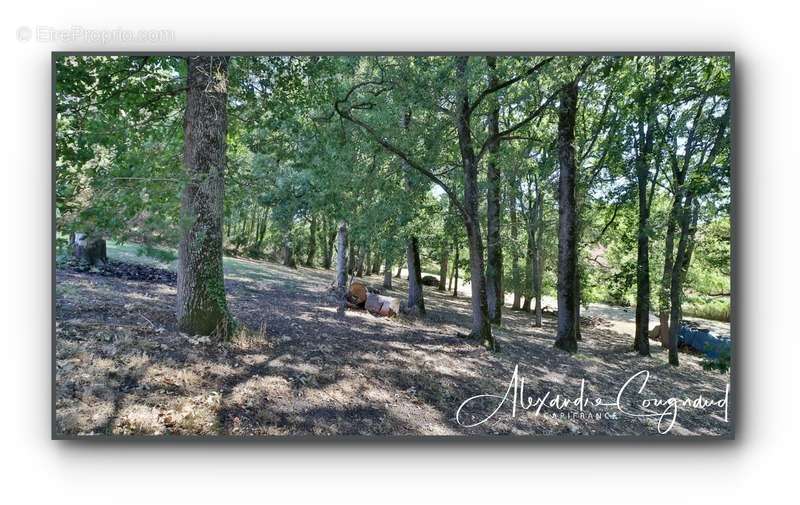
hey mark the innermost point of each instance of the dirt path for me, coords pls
(122, 368)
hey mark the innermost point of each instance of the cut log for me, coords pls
(430, 280)
(357, 293)
(382, 305)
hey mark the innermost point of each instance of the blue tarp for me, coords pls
(704, 341)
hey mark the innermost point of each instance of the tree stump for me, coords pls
(89, 250)
(430, 280)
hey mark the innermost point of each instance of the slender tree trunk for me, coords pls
(567, 222)
(351, 258)
(312, 242)
(676, 282)
(515, 277)
(328, 259)
(387, 274)
(666, 276)
(481, 330)
(376, 263)
(641, 339)
(455, 273)
(538, 259)
(201, 304)
(494, 250)
(360, 270)
(399, 271)
(443, 267)
(416, 303)
(341, 259)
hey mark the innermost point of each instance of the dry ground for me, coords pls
(122, 368)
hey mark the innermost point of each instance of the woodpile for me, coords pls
(361, 296)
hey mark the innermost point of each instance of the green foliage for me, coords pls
(291, 160)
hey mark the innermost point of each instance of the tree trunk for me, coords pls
(201, 304)
(360, 270)
(351, 258)
(312, 242)
(494, 251)
(443, 267)
(416, 303)
(455, 273)
(376, 263)
(341, 259)
(567, 220)
(641, 339)
(538, 259)
(481, 330)
(387, 274)
(515, 281)
(676, 282)
(666, 276)
(399, 271)
(328, 259)
(288, 250)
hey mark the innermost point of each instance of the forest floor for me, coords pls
(123, 368)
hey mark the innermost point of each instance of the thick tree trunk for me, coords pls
(481, 329)
(387, 274)
(288, 250)
(444, 257)
(416, 302)
(341, 259)
(312, 242)
(494, 251)
(567, 220)
(201, 304)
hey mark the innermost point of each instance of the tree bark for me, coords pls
(387, 274)
(494, 250)
(331, 236)
(416, 303)
(444, 257)
(351, 258)
(567, 220)
(515, 277)
(201, 304)
(676, 282)
(341, 259)
(288, 248)
(312, 242)
(455, 273)
(481, 330)
(538, 259)
(666, 276)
